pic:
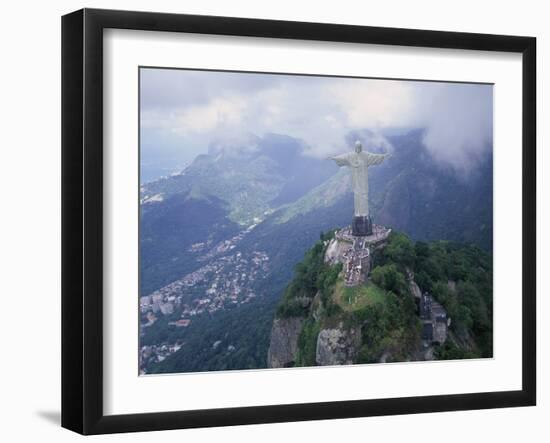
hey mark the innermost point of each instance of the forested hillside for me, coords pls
(385, 310)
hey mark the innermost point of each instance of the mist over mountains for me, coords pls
(193, 107)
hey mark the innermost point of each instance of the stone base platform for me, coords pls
(361, 225)
(378, 234)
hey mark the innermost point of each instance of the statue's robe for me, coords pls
(359, 163)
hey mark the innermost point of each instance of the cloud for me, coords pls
(219, 113)
(206, 106)
(371, 103)
(459, 122)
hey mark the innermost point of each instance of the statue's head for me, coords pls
(358, 146)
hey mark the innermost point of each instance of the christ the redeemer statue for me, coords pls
(359, 163)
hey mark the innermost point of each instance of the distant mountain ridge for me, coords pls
(253, 180)
(411, 192)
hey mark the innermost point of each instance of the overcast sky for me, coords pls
(188, 110)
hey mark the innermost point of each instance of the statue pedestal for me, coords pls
(361, 226)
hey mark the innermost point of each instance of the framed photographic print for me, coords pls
(269, 221)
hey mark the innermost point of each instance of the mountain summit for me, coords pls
(323, 319)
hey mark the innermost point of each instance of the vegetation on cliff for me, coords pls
(458, 276)
(311, 275)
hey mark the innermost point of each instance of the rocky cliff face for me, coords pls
(338, 346)
(413, 286)
(284, 342)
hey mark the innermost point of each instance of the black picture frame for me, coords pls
(82, 218)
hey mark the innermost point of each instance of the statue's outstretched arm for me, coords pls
(341, 160)
(376, 159)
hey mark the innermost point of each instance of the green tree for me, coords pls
(400, 250)
(388, 277)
